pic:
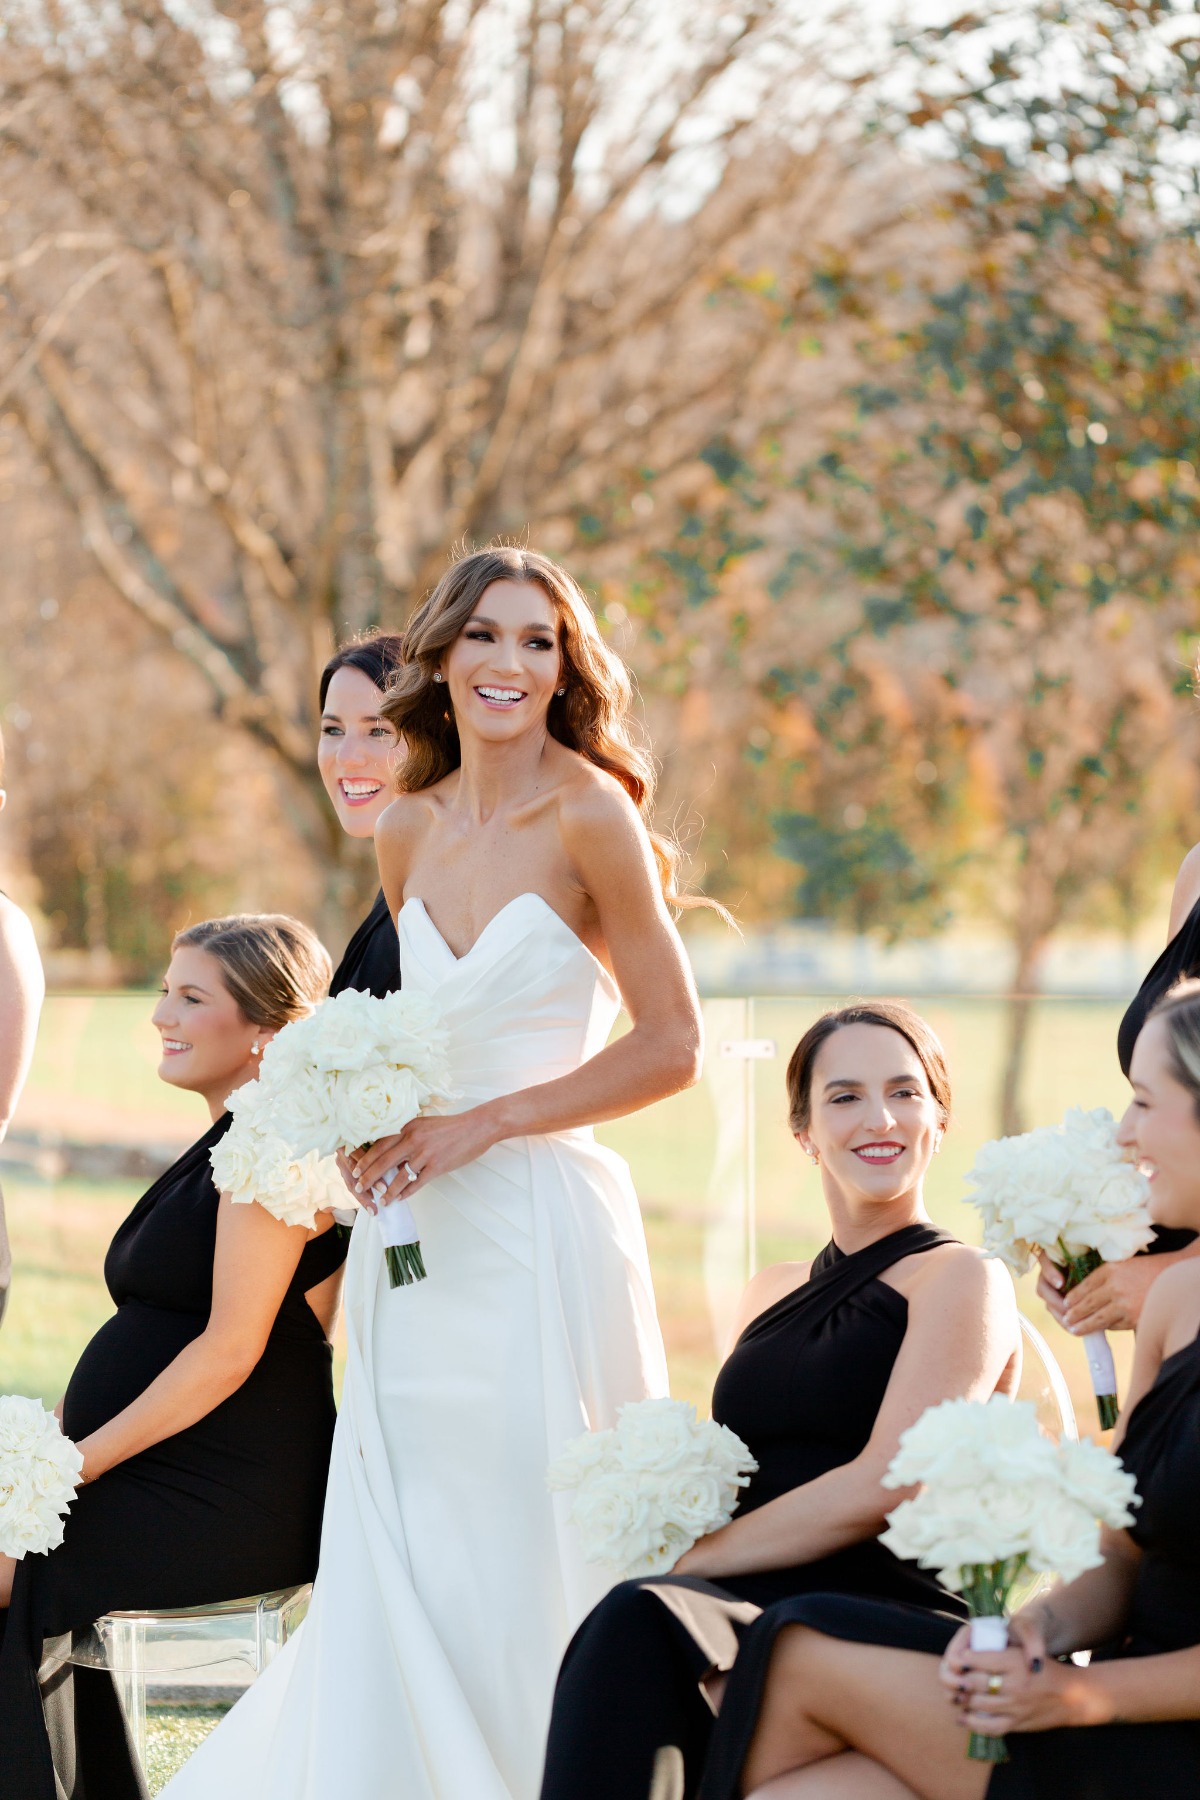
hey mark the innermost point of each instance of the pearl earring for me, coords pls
(254, 1048)
(438, 676)
(560, 692)
(814, 1158)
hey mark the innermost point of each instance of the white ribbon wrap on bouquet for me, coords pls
(1100, 1364)
(395, 1217)
(988, 1633)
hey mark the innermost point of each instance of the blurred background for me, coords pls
(848, 359)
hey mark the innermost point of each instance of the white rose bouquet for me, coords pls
(996, 1498)
(39, 1472)
(651, 1485)
(355, 1070)
(1068, 1190)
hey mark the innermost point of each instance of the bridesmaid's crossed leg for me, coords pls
(850, 1721)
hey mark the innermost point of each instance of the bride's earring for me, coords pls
(438, 676)
(560, 692)
(256, 1048)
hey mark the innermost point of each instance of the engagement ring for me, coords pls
(410, 1171)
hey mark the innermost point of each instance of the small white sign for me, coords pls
(749, 1049)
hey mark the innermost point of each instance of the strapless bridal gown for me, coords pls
(450, 1580)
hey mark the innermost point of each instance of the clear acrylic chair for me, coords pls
(1042, 1383)
(193, 1648)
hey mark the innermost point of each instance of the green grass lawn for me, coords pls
(94, 1080)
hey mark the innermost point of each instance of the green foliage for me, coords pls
(870, 870)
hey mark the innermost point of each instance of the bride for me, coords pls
(531, 900)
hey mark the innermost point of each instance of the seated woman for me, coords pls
(855, 1708)
(832, 1361)
(204, 1407)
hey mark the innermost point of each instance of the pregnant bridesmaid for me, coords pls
(355, 758)
(853, 1707)
(204, 1407)
(835, 1359)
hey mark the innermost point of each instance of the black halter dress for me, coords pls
(230, 1506)
(1179, 960)
(802, 1387)
(371, 962)
(1161, 1448)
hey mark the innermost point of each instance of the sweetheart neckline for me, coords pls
(528, 894)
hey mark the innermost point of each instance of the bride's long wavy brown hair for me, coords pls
(592, 717)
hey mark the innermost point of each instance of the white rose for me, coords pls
(615, 1519)
(344, 1032)
(656, 1434)
(235, 1161)
(583, 1457)
(668, 1546)
(22, 1426)
(1098, 1481)
(304, 1114)
(1065, 1539)
(691, 1499)
(375, 1102)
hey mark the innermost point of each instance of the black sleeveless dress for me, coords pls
(229, 1507)
(1180, 959)
(802, 1387)
(1161, 1448)
(371, 962)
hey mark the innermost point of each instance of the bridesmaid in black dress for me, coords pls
(853, 1711)
(355, 760)
(1111, 1299)
(203, 1408)
(833, 1361)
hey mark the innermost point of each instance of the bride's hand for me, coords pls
(425, 1149)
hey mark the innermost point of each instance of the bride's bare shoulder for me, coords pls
(589, 797)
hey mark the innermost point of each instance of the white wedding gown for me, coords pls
(450, 1579)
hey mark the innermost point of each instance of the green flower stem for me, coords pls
(1076, 1269)
(405, 1264)
(1110, 1412)
(986, 1589)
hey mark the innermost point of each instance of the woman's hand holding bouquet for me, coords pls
(356, 1070)
(1065, 1191)
(996, 1498)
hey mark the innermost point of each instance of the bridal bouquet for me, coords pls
(355, 1070)
(997, 1498)
(651, 1485)
(1068, 1190)
(39, 1472)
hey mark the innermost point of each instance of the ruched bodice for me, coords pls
(528, 1002)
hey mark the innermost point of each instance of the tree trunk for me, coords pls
(1022, 997)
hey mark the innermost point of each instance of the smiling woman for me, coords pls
(531, 899)
(356, 757)
(831, 1361)
(204, 1406)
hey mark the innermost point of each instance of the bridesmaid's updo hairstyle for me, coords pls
(1179, 1010)
(591, 717)
(274, 967)
(893, 1016)
(376, 654)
